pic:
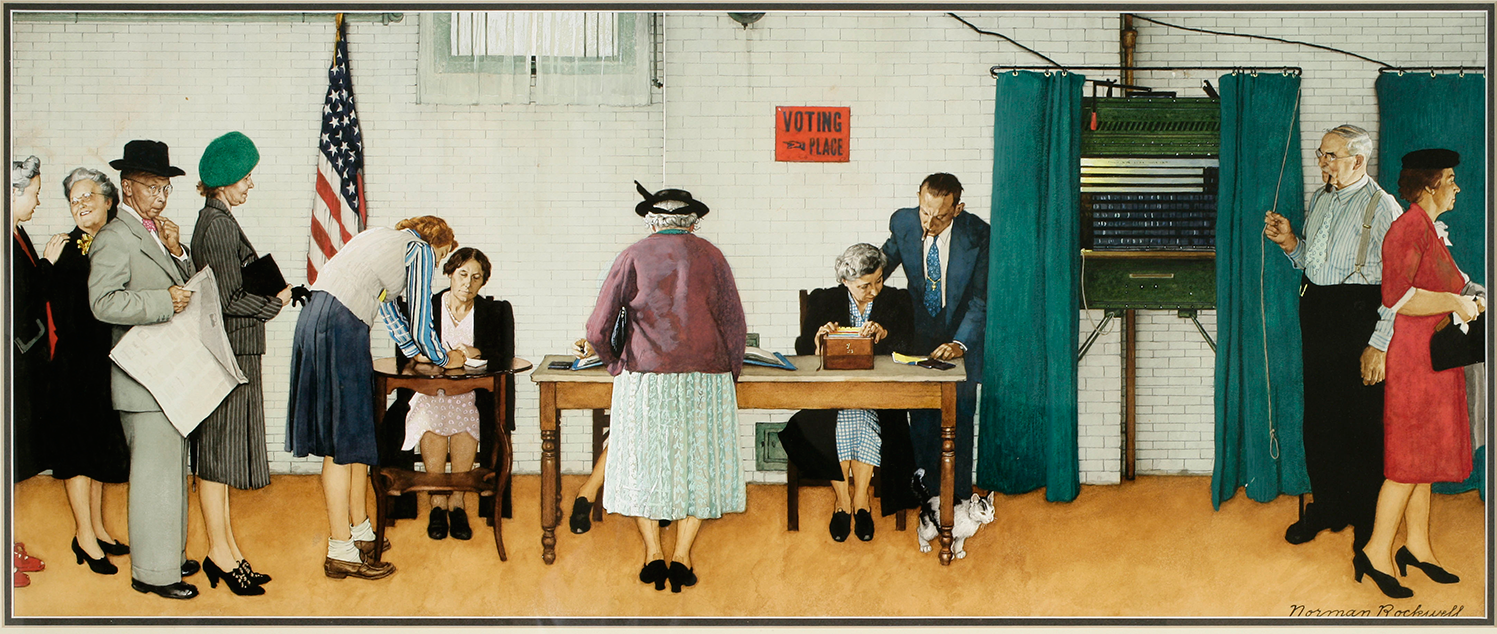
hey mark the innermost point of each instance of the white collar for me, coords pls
(1361, 182)
(133, 213)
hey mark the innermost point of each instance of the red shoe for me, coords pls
(24, 562)
(20, 580)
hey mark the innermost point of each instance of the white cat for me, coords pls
(968, 516)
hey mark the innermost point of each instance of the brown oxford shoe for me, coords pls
(366, 549)
(338, 569)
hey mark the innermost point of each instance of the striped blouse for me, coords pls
(420, 264)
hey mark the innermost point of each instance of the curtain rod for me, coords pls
(1289, 70)
(1474, 70)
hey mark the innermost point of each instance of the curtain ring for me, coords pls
(1255, 72)
(1064, 73)
(1047, 72)
(1016, 72)
(1462, 73)
(1400, 72)
(1431, 72)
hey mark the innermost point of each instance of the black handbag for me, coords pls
(620, 333)
(262, 277)
(1451, 348)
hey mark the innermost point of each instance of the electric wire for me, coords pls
(1260, 37)
(1273, 432)
(1009, 39)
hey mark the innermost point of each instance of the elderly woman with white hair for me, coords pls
(860, 439)
(674, 446)
(88, 447)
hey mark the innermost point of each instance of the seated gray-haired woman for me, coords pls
(860, 439)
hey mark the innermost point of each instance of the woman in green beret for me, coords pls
(229, 445)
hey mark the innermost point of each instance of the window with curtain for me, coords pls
(523, 57)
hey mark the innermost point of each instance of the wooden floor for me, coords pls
(1153, 547)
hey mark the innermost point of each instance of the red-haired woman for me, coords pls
(331, 411)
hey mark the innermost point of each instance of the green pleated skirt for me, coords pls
(673, 450)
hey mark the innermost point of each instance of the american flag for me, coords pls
(338, 210)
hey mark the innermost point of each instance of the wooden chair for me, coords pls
(489, 480)
(793, 481)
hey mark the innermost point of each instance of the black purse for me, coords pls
(1451, 348)
(620, 333)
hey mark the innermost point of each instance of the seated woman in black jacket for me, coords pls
(863, 439)
(458, 424)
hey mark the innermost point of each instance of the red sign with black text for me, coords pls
(812, 134)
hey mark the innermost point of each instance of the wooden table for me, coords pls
(888, 385)
(490, 478)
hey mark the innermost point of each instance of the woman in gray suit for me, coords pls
(230, 443)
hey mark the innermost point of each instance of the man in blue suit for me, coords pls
(945, 256)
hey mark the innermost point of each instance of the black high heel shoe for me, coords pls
(257, 578)
(1361, 565)
(1404, 559)
(101, 565)
(680, 575)
(654, 572)
(581, 520)
(115, 549)
(235, 579)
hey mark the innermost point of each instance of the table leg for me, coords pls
(506, 461)
(948, 468)
(381, 501)
(550, 471)
(600, 420)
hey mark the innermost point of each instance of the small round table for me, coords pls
(425, 378)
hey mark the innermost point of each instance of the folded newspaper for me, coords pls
(185, 362)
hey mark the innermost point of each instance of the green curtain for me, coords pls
(1259, 378)
(1448, 111)
(1417, 111)
(1029, 412)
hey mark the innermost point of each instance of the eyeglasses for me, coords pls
(1330, 156)
(154, 190)
(83, 198)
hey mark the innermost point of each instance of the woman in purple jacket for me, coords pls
(674, 446)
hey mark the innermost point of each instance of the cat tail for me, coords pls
(927, 511)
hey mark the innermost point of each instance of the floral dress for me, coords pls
(442, 414)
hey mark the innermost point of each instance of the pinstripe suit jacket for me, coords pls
(128, 275)
(218, 242)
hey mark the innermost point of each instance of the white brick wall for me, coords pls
(546, 190)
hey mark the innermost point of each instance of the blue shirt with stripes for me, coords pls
(420, 264)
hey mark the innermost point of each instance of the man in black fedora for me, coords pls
(137, 267)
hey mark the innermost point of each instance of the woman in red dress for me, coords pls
(1425, 428)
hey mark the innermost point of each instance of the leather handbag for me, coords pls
(620, 333)
(1451, 348)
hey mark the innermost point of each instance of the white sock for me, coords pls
(342, 550)
(362, 532)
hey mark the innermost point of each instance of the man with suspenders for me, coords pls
(1345, 335)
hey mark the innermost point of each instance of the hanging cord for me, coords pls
(1273, 431)
(1259, 37)
(1010, 40)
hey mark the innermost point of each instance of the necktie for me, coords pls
(150, 224)
(933, 278)
(1320, 242)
